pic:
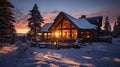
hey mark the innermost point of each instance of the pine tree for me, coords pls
(7, 31)
(116, 29)
(107, 27)
(35, 22)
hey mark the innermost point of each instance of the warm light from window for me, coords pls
(87, 36)
(57, 34)
(39, 33)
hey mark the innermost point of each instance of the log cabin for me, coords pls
(67, 27)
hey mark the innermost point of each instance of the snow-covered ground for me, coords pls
(99, 54)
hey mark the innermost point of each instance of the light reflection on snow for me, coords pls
(55, 57)
(87, 57)
(87, 65)
(53, 65)
(69, 61)
(7, 49)
(34, 52)
(106, 58)
(116, 60)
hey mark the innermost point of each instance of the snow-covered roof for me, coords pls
(46, 27)
(82, 23)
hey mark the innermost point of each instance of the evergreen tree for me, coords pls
(35, 22)
(116, 29)
(7, 31)
(107, 26)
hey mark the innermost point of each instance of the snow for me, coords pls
(85, 24)
(4, 44)
(46, 27)
(82, 23)
(98, 54)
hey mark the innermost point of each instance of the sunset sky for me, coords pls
(50, 8)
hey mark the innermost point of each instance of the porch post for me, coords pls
(54, 35)
(47, 36)
(92, 35)
(78, 33)
(70, 30)
(61, 30)
(43, 37)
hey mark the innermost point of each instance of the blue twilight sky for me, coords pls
(50, 8)
(69, 6)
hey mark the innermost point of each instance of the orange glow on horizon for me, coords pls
(24, 31)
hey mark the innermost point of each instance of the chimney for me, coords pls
(83, 16)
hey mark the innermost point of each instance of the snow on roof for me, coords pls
(82, 23)
(85, 24)
(46, 27)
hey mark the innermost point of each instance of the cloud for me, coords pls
(49, 16)
(54, 12)
(20, 18)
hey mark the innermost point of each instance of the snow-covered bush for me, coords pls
(23, 48)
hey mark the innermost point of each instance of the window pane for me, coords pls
(59, 26)
(66, 34)
(66, 24)
(86, 34)
(58, 33)
(74, 34)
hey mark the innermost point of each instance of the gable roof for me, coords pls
(46, 27)
(82, 23)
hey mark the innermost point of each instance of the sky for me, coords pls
(49, 9)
